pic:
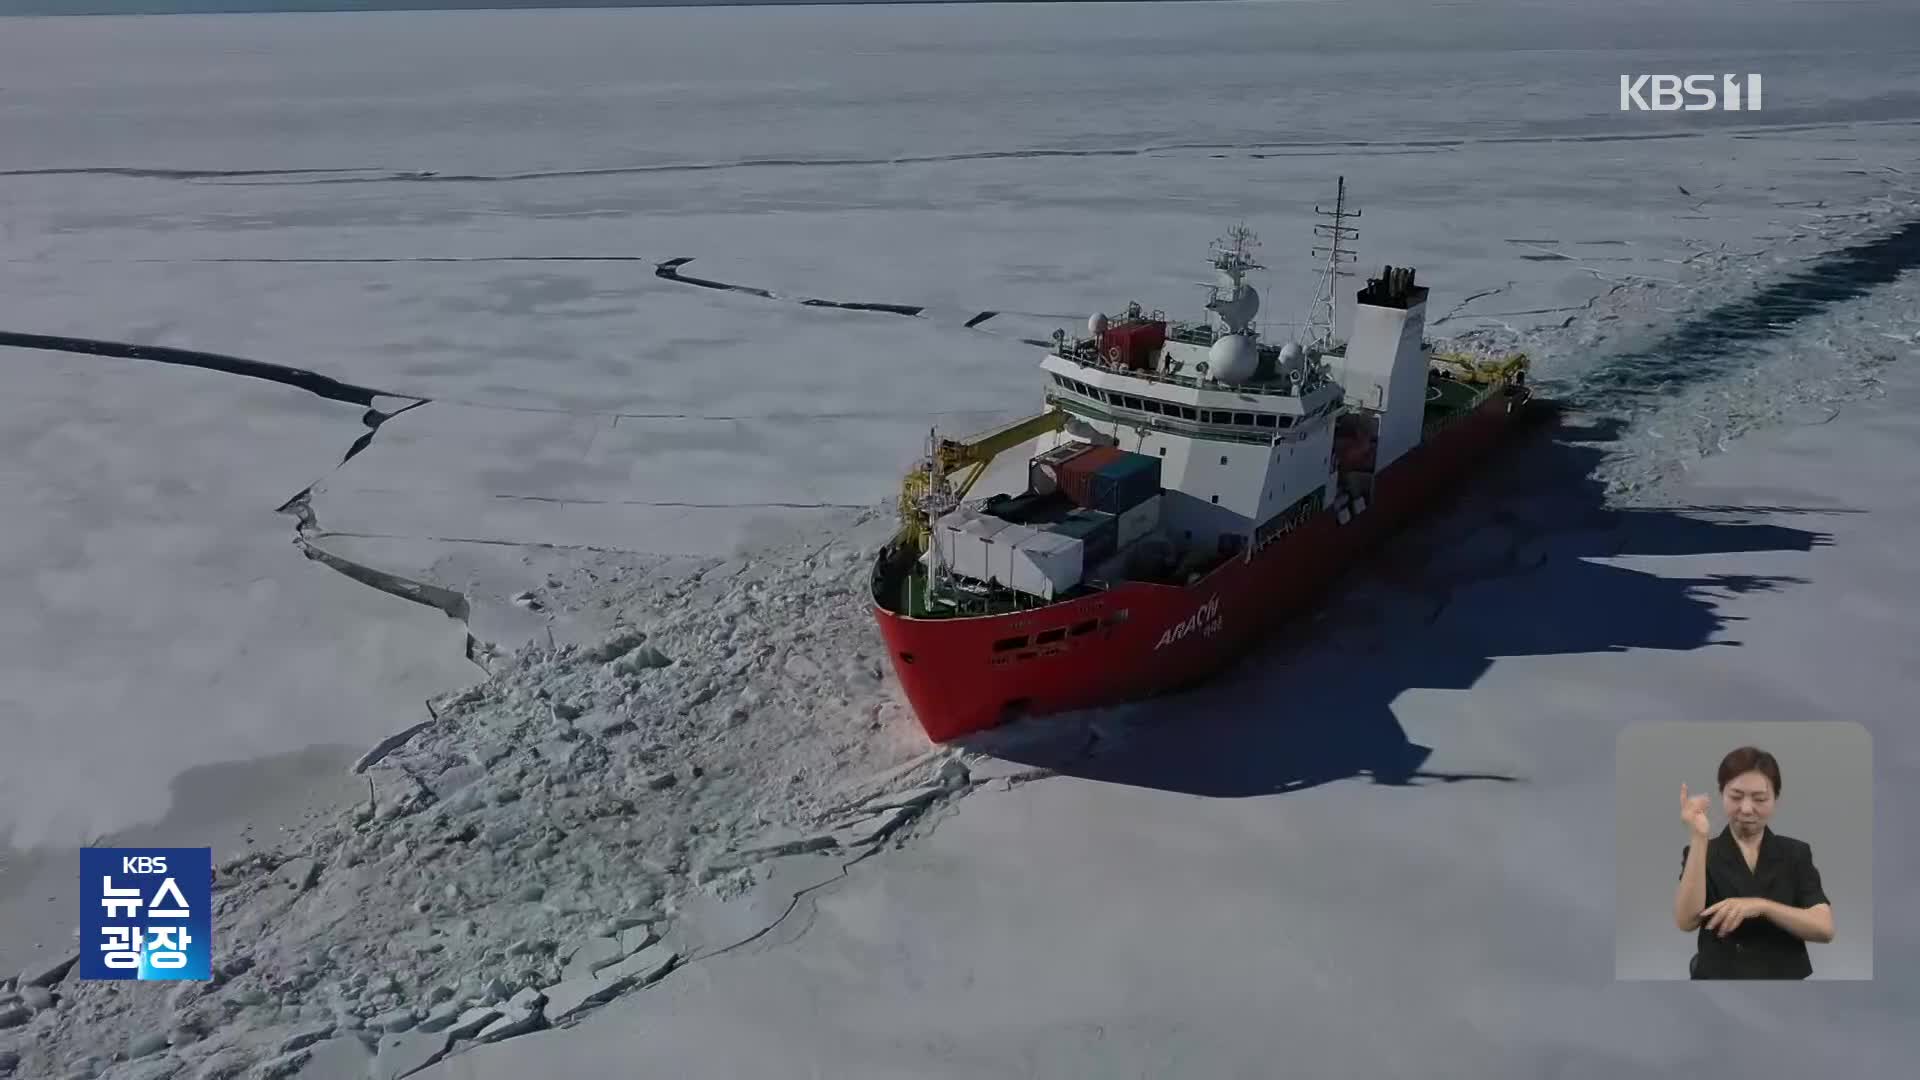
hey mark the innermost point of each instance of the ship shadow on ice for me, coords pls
(1512, 567)
(1710, 345)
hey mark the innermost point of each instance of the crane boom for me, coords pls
(981, 449)
(922, 488)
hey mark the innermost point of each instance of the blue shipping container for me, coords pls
(1125, 482)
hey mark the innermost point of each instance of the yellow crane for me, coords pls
(1483, 369)
(925, 487)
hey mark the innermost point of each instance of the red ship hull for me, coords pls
(964, 675)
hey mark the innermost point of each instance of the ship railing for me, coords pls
(1079, 406)
(1192, 334)
(964, 597)
(1435, 425)
(1287, 520)
(1088, 354)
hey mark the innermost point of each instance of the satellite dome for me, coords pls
(1097, 325)
(1233, 358)
(1291, 354)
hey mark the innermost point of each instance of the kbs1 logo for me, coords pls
(1665, 93)
(146, 913)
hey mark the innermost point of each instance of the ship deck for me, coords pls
(1449, 398)
(901, 584)
(912, 596)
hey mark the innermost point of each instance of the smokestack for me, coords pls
(1393, 288)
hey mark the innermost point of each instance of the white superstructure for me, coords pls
(1244, 429)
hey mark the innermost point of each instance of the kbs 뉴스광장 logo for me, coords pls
(146, 913)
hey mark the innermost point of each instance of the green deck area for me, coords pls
(1455, 398)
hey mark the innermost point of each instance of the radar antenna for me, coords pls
(1323, 321)
(1230, 297)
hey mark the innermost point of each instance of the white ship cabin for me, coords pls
(1244, 429)
(1233, 457)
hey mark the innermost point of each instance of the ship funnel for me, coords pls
(1393, 288)
(1384, 368)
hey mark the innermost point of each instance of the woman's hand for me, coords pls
(1726, 916)
(1693, 811)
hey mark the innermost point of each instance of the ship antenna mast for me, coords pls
(1323, 320)
(1230, 298)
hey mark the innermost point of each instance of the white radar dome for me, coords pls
(1233, 358)
(1291, 354)
(1097, 325)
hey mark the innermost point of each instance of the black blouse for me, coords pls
(1759, 949)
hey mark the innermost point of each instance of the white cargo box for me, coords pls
(1047, 564)
(962, 540)
(1139, 521)
(1000, 548)
(1020, 557)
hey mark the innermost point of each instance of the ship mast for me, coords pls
(1323, 321)
(1230, 298)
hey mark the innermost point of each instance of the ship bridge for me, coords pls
(1240, 461)
(1188, 406)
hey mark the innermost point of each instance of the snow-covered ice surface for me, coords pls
(1399, 872)
(651, 505)
(145, 564)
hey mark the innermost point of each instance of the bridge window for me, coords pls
(1152, 405)
(1264, 420)
(1244, 419)
(1187, 412)
(1223, 461)
(1130, 401)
